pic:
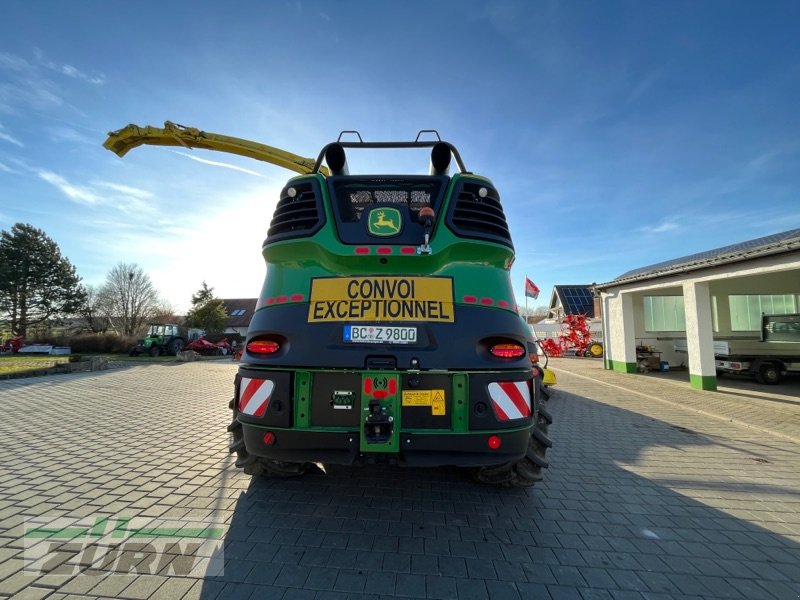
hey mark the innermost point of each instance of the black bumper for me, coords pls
(416, 449)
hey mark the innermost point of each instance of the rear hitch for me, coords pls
(378, 424)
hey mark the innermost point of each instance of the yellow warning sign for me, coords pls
(437, 402)
(379, 299)
(432, 398)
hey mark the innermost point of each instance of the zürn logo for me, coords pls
(384, 222)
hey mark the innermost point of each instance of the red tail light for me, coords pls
(507, 350)
(494, 442)
(263, 347)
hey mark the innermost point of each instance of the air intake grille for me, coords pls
(473, 216)
(297, 215)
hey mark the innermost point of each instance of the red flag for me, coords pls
(530, 289)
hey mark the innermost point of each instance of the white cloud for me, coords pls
(126, 199)
(67, 69)
(7, 169)
(71, 71)
(124, 189)
(68, 134)
(216, 163)
(221, 246)
(80, 194)
(35, 83)
(9, 138)
(662, 228)
(13, 63)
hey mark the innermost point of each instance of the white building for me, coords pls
(715, 295)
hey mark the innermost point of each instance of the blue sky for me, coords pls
(619, 134)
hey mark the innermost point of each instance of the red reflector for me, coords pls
(487, 301)
(470, 299)
(281, 299)
(503, 304)
(296, 297)
(263, 347)
(384, 250)
(362, 250)
(407, 250)
(507, 350)
(494, 442)
(269, 438)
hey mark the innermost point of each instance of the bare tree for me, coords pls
(96, 309)
(534, 314)
(132, 295)
(164, 312)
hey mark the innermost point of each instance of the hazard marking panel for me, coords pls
(432, 398)
(254, 395)
(511, 399)
(379, 299)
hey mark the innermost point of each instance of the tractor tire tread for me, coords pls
(256, 465)
(525, 472)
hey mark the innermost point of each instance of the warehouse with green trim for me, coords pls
(679, 309)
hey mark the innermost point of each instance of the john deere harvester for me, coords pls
(386, 329)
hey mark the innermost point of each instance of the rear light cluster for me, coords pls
(263, 347)
(510, 350)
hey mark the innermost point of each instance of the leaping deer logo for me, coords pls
(385, 222)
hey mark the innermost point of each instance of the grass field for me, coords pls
(12, 363)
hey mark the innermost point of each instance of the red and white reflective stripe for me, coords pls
(511, 399)
(254, 396)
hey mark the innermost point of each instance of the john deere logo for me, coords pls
(384, 222)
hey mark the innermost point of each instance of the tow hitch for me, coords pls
(378, 425)
(380, 409)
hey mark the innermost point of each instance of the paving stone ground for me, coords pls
(653, 492)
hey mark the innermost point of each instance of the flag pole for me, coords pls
(525, 290)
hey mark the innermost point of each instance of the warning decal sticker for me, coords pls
(511, 399)
(432, 398)
(381, 299)
(254, 395)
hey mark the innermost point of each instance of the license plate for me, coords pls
(379, 334)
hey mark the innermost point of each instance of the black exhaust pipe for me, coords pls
(336, 159)
(440, 159)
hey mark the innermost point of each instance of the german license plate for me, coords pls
(380, 334)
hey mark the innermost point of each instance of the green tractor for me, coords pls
(160, 339)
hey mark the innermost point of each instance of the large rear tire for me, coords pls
(528, 470)
(256, 465)
(176, 345)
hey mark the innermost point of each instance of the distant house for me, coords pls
(240, 311)
(571, 300)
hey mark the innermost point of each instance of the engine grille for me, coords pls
(296, 216)
(473, 216)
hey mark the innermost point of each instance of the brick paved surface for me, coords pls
(644, 499)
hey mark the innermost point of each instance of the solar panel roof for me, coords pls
(576, 299)
(723, 254)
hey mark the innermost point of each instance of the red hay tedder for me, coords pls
(202, 346)
(575, 336)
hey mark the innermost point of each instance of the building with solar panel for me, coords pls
(572, 300)
(730, 309)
